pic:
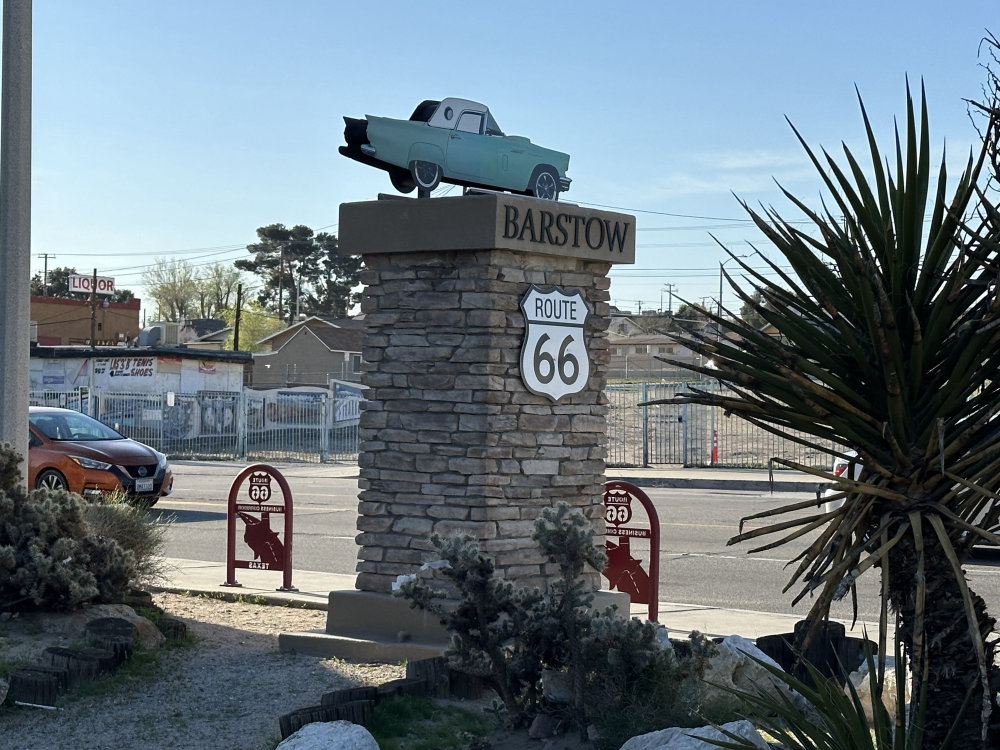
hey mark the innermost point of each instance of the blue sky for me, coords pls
(172, 130)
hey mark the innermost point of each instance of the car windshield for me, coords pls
(71, 426)
(491, 126)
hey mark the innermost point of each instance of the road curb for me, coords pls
(700, 483)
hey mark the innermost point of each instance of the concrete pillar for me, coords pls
(15, 222)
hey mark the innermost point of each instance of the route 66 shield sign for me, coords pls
(554, 360)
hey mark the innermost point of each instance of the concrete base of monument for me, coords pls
(372, 627)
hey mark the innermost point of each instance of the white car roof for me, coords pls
(457, 106)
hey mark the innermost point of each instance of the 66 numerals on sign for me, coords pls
(617, 509)
(259, 493)
(554, 360)
(565, 363)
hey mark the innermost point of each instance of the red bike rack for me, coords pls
(624, 572)
(270, 552)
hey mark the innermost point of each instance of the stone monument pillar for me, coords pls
(485, 360)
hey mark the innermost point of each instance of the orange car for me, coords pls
(69, 450)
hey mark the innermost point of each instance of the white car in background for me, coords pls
(840, 468)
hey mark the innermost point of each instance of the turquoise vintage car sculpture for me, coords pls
(455, 141)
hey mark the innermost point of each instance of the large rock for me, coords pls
(679, 738)
(557, 687)
(330, 735)
(733, 668)
(74, 624)
(862, 684)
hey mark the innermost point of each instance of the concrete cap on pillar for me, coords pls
(489, 221)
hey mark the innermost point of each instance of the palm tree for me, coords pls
(889, 328)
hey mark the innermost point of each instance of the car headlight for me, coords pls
(161, 461)
(89, 463)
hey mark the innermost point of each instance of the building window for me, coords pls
(641, 349)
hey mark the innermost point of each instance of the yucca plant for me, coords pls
(887, 343)
(836, 719)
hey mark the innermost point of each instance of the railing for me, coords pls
(690, 434)
(306, 424)
(317, 424)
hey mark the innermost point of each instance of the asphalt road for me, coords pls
(696, 565)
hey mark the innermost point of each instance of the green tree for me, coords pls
(183, 292)
(331, 286)
(256, 323)
(172, 285)
(216, 289)
(689, 317)
(58, 286)
(301, 269)
(748, 311)
(890, 342)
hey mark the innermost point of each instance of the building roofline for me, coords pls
(79, 352)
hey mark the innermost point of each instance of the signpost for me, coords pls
(554, 360)
(625, 572)
(270, 552)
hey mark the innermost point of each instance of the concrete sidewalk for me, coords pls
(200, 577)
(371, 636)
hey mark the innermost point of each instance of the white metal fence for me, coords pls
(690, 434)
(317, 424)
(307, 424)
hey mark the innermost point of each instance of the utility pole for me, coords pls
(669, 289)
(281, 283)
(93, 311)
(15, 223)
(45, 274)
(236, 323)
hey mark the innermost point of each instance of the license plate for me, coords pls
(144, 485)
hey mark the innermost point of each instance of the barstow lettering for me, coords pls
(564, 229)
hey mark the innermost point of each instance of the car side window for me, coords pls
(470, 122)
(49, 428)
(33, 440)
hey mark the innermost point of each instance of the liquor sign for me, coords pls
(253, 513)
(554, 359)
(84, 284)
(625, 572)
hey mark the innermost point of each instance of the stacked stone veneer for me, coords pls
(451, 439)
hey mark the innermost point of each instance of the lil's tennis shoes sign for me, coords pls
(554, 359)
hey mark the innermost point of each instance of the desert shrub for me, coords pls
(636, 685)
(623, 680)
(10, 471)
(135, 530)
(49, 556)
(485, 624)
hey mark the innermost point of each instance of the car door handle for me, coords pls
(456, 137)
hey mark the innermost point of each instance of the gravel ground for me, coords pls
(225, 693)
